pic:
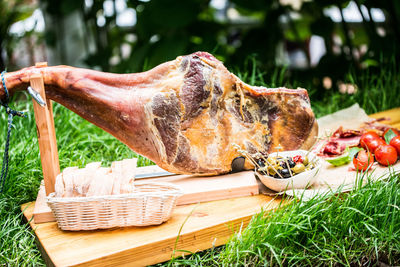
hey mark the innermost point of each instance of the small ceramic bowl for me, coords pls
(298, 181)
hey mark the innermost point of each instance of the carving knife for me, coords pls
(237, 166)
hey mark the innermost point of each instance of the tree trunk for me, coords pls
(347, 35)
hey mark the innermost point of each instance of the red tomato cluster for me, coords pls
(385, 154)
(363, 160)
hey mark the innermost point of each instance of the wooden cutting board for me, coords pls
(192, 228)
(196, 189)
(202, 189)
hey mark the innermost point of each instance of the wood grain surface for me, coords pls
(392, 117)
(208, 224)
(42, 212)
(46, 134)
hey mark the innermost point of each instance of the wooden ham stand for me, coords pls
(207, 223)
(210, 188)
(199, 226)
(48, 148)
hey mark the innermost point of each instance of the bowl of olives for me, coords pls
(287, 170)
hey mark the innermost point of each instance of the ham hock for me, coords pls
(185, 115)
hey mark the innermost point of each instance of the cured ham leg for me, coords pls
(185, 114)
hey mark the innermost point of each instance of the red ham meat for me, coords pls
(185, 114)
(336, 144)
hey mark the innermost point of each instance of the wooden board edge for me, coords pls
(393, 114)
(28, 219)
(151, 253)
(188, 243)
(24, 209)
(43, 217)
(27, 212)
(385, 113)
(163, 250)
(218, 195)
(42, 212)
(43, 253)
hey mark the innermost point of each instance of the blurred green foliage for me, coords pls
(10, 12)
(165, 29)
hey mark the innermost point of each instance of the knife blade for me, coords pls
(155, 171)
(153, 175)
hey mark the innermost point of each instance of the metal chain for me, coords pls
(11, 113)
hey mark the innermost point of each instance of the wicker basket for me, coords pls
(150, 204)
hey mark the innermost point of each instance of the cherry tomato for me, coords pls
(395, 142)
(386, 155)
(363, 160)
(374, 144)
(368, 137)
(393, 129)
(298, 159)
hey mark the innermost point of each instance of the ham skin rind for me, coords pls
(185, 115)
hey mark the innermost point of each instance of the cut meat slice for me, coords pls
(89, 173)
(349, 141)
(123, 173)
(101, 184)
(334, 148)
(68, 181)
(128, 174)
(341, 133)
(94, 180)
(78, 181)
(336, 144)
(59, 186)
(116, 172)
(185, 115)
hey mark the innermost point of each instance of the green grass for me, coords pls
(377, 91)
(357, 228)
(303, 233)
(79, 142)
